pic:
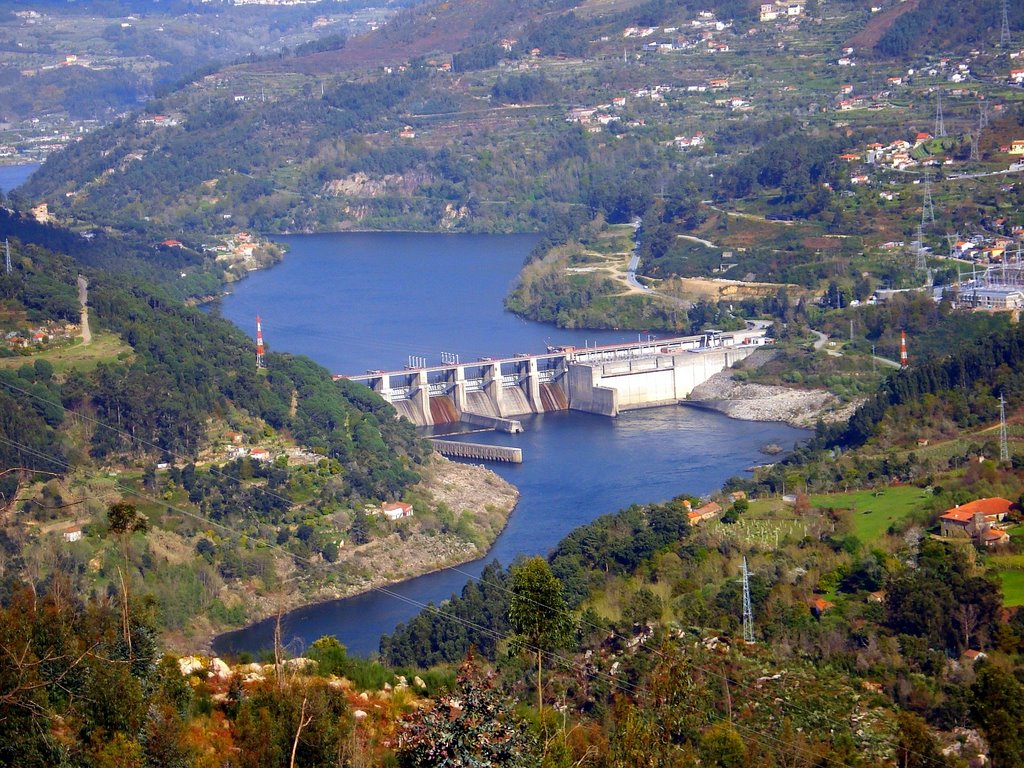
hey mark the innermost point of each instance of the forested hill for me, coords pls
(943, 25)
(967, 383)
(308, 142)
(181, 368)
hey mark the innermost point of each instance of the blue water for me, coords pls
(357, 301)
(12, 176)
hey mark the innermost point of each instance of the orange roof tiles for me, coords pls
(993, 506)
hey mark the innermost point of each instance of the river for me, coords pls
(358, 301)
(12, 176)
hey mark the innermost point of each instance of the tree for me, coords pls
(998, 710)
(359, 531)
(916, 746)
(538, 612)
(475, 727)
(124, 520)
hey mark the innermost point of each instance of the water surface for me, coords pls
(13, 176)
(359, 301)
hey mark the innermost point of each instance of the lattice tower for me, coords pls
(748, 610)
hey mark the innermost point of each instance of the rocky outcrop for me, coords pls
(762, 402)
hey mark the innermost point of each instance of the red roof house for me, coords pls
(969, 519)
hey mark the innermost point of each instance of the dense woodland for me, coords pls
(874, 643)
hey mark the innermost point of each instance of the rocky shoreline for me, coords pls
(763, 402)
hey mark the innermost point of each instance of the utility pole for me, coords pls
(1004, 443)
(976, 138)
(748, 611)
(928, 207)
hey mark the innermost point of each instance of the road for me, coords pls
(83, 299)
(822, 340)
(634, 261)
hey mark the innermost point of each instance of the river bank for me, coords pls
(473, 506)
(763, 402)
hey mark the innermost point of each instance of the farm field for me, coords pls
(1013, 587)
(105, 347)
(874, 511)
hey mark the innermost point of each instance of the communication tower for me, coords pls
(7, 255)
(904, 360)
(748, 611)
(1004, 443)
(259, 344)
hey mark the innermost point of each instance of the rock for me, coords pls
(762, 402)
(418, 682)
(190, 665)
(219, 668)
(359, 714)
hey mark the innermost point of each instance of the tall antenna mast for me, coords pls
(259, 344)
(904, 359)
(7, 255)
(1004, 443)
(940, 124)
(1004, 30)
(748, 611)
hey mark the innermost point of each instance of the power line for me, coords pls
(274, 495)
(552, 656)
(382, 590)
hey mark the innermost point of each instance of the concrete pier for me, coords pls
(477, 451)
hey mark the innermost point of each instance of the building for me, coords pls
(995, 298)
(699, 515)
(975, 519)
(72, 534)
(396, 510)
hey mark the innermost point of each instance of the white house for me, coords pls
(396, 510)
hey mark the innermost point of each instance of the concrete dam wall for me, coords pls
(605, 380)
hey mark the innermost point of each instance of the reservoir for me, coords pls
(356, 301)
(12, 176)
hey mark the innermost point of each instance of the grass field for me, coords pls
(874, 511)
(105, 347)
(1013, 587)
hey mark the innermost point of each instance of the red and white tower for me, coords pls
(259, 343)
(904, 361)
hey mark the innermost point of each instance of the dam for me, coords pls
(605, 379)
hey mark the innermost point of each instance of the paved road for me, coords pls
(634, 261)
